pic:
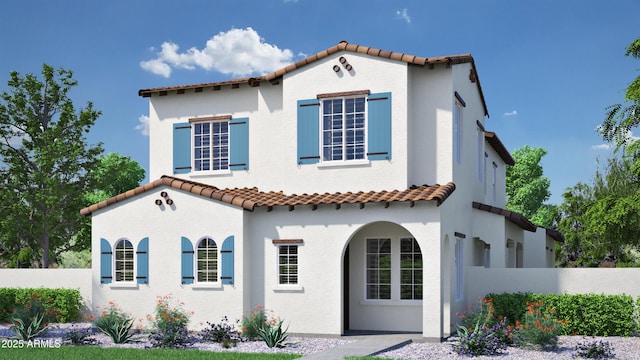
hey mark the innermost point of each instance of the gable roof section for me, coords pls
(250, 198)
(274, 77)
(518, 219)
(497, 145)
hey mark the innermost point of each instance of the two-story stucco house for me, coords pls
(347, 191)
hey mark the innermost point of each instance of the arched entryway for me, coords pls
(383, 290)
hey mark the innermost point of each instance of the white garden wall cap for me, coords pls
(249, 198)
(512, 216)
(276, 76)
(498, 146)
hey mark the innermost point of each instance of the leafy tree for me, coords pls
(115, 174)
(528, 188)
(46, 162)
(622, 118)
(602, 221)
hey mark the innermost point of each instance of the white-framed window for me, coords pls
(457, 132)
(207, 261)
(343, 128)
(124, 261)
(410, 270)
(288, 264)
(378, 269)
(459, 258)
(480, 152)
(211, 145)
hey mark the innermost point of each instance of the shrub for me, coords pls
(480, 332)
(273, 335)
(66, 303)
(78, 336)
(174, 335)
(539, 328)
(32, 318)
(256, 319)
(583, 314)
(594, 350)
(170, 325)
(594, 314)
(223, 333)
(116, 324)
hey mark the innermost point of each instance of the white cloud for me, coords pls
(238, 52)
(156, 66)
(511, 113)
(404, 15)
(143, 126)
(601, 147)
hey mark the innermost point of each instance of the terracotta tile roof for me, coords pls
(497, 145)
(518, 219)
(512, 216)
(555, 235)
(343, 45)
(250, 198)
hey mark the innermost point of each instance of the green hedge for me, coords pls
(585, 314)
(66, 302)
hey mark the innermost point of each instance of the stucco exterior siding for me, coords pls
(190, 216)
(317, 305)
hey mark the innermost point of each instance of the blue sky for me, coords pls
(548, 68)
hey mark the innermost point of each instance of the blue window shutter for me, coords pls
(187, 261)
(181, 148)
(142, 258)
(379, 126)
(227, 260)
(239, 144)
(308, 131)
(105, 262)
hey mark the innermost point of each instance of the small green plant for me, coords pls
(31, 319)
(254, 320)
(170, 325)
(79, 336)
(273, 335)
(594, 350)
(116, 324)
(480, 332)
(223, 333)
(539, 328)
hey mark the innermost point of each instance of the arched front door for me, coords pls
(383, 291)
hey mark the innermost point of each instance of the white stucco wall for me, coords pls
(191, 216)
(553, 280)
(79, 279)
(317, 305)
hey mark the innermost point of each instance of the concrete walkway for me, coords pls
(365, 345)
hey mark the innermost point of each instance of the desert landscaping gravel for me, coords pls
(624, 348)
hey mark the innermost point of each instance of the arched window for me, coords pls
(124, 261)
(207, 266)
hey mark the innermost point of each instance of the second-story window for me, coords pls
(343, 129)
(211, 146)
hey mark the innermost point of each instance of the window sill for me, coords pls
(345, 163)
(289, 288)
(126, 285)
(217, 285)
(197, 174)
(391, 302)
